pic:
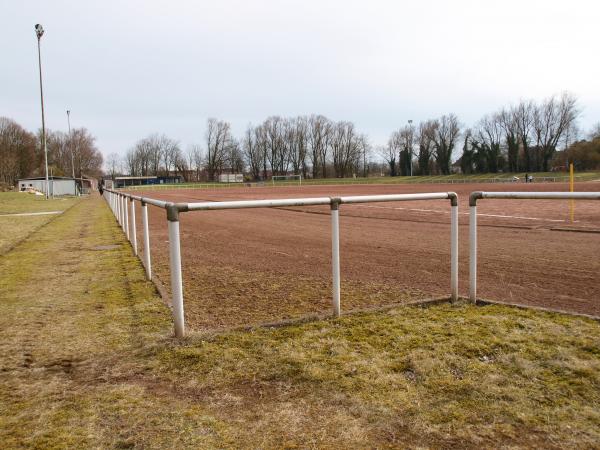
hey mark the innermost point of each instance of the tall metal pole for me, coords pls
(39, 31)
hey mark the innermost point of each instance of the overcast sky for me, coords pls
(130, 68)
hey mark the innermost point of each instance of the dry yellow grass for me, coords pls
(16, 228)
(88, 361)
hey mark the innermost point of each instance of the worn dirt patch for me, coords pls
(240, 265)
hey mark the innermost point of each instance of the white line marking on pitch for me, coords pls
(518, 217)
(44, 213)
(500, 216)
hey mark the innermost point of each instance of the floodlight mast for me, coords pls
(39, 31)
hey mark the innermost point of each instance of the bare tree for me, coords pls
(112, 164)
(446, 132)
(468, 155)
(487, 140)
(252, 152)
(17, 151)
(510, 126)
(425, 141)
(345, 148)
(88, 159)
(523, 114)
(365, 153)
(551, 120)
(297, 134)
(218, 141)
(170, 153)
(391, 151)
(318, 141)
(405, 141)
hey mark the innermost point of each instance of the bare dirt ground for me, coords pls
(251, 266)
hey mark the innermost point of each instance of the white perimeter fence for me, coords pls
(119, 201)
(508, 195)
(125, 215)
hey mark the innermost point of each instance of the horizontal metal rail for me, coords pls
(174, 209)
(533, 196)
(479, 195)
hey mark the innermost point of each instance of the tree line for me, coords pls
(22, 153)
(522, 137)
(312, 146)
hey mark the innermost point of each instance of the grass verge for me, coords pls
(16, 228)
(87, 361)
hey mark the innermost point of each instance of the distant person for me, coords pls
(526, 178)
(531, 178)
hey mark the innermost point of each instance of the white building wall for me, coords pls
(57, 187)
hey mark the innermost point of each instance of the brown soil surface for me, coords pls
(259, 265)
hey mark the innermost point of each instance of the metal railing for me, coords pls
(508, 195)
(421, 179)
(118, 201)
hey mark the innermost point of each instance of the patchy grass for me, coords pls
(439, 376)
(20, 202)
(16, 228)
(87, 360)
(225, 297)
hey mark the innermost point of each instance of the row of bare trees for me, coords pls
(312, 146)
(523, 137)
(22, 154)
(153, 155)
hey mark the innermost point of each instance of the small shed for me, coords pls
(58, 185)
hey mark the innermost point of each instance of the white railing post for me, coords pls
(119, 210)
(146, 241)
(454, 251)
(122, 205)
(126, 224)
(335, 254)
(175, 263)
(133, 227)
(473, 253)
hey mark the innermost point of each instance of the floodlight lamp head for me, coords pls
(39, 30)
